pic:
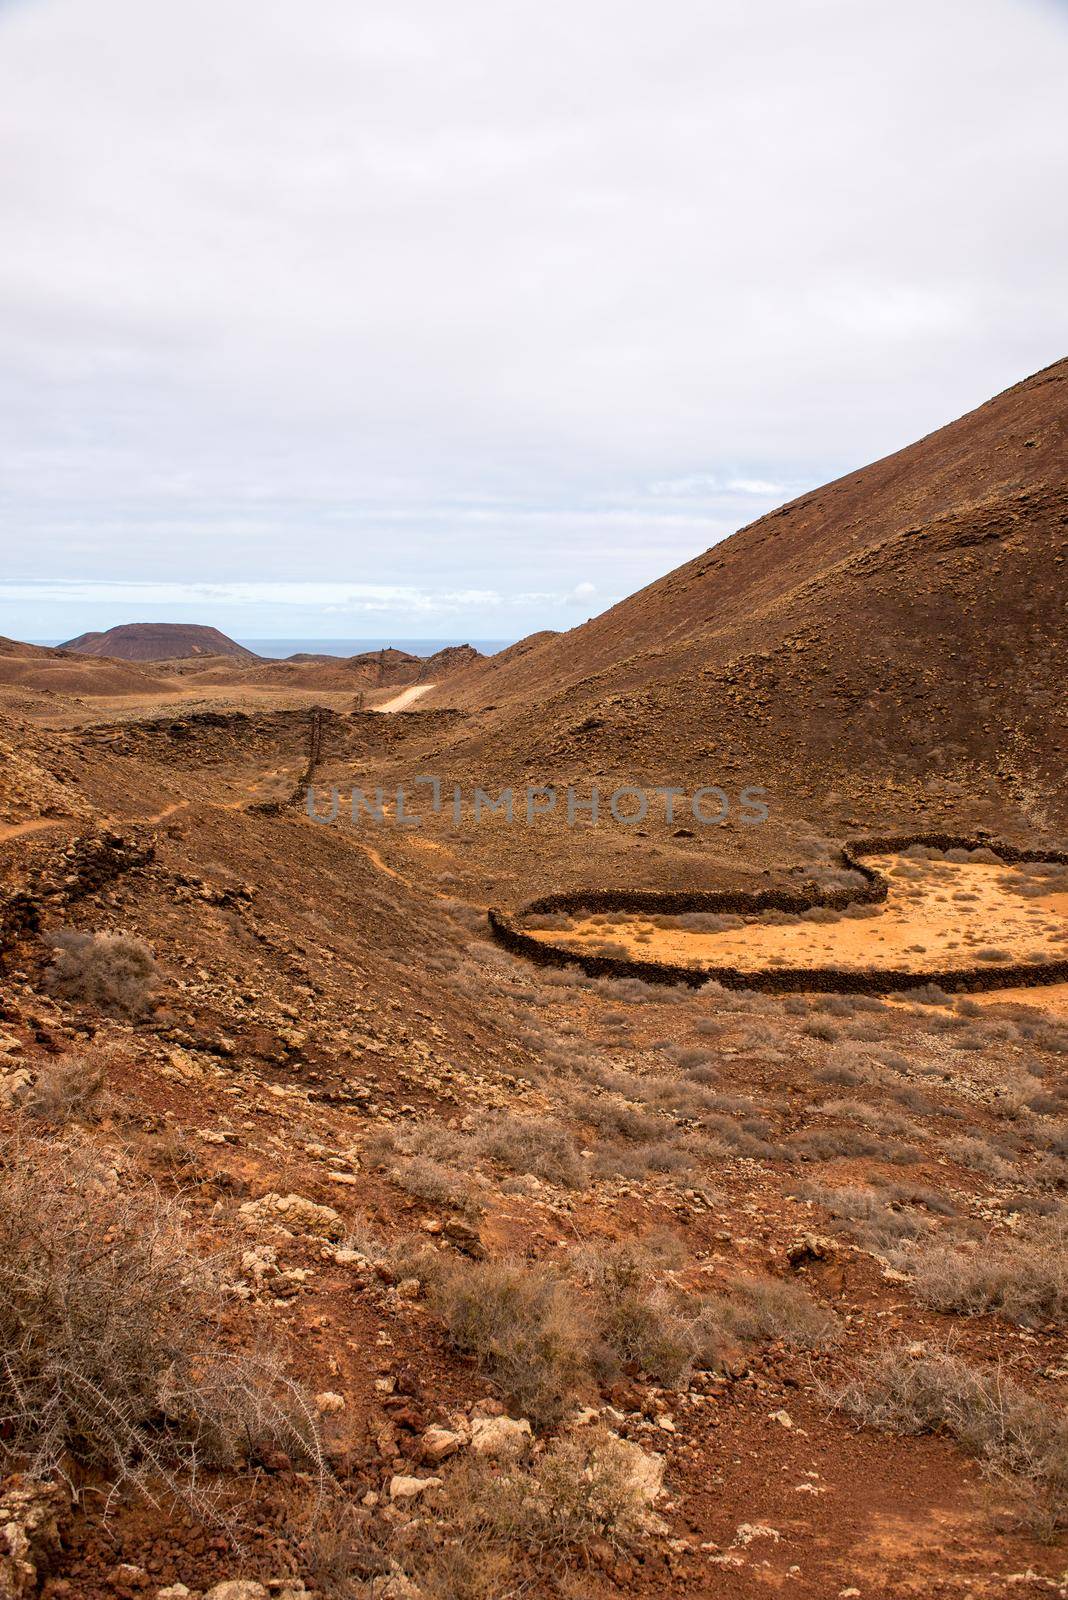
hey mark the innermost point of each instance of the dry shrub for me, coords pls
(419, 1159)
(496, 1531)
(522, 1323)
(979, 1155)
(637, 1320)
(1022, 1279)
(1021, 1441)
(874, 1219)
(769, 1310)
(830, 1144)
(746, 1135)
(669, 1157)
(436, 1183)
(546, 1338)
(541, 1146)
(642, 1321)
(69, 1090)
(613, 1116)
(114, 971)
(817, 1029)
(109, 1331)
(878, 1119)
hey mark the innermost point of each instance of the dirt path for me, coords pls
(14, 830)
(407, 697)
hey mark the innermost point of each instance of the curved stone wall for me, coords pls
(508, 930)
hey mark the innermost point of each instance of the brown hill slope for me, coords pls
(373, 669)
(39, 669)
(15, 649)
(158, 641)
(905, 619)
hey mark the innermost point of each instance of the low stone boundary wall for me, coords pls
(81, 867)
(507, 930)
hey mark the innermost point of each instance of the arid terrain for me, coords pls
(346, 1252)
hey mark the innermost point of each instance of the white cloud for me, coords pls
(449, 297)
(756, 486)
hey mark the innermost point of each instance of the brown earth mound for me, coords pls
(373, 669)
(59, 672)
(905, 622)
(158, 641)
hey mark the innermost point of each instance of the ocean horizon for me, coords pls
(278, 649)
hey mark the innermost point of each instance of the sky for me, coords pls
(396, 318)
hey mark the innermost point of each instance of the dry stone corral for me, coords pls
(508, 930)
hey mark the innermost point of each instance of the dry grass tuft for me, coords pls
(540, 1146)
(114, 971)
(72, 1089)
(109, 1333)
(1023, 1279)
(522, 1323)
(1021, 1441)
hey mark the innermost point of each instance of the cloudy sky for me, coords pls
(392, 318)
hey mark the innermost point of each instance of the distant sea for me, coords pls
(277, 649)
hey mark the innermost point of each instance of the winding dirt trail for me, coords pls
(15, 830)
(407, 697)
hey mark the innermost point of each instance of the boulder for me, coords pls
(499, 1437)
(295, 1211)
(440, 1443)
(15, 1088)
(645, 1471)
(405, 1488)
(29, 1534)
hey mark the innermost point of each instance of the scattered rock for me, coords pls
(15, 1088)
(328, 1403)
(237, 1589)
(811, 1247)
(29, 1534)
(464, 1238)
(440, 1443)
(402, 1487)
(748, 1531)
(128, 1576)
(499, 1436)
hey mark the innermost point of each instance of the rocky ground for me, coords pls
(555, 1285)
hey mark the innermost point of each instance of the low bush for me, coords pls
(109, 1324)
(522, 1323)
(769, 1310)
(114, 971)
(541, 1146)
(1023, 1279)
(69, 1090)
(1021, 1441)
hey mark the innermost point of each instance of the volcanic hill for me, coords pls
(159, 641)
(903, 622)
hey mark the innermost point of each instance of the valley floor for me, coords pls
(555, 1285)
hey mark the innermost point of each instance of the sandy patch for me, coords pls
(939, 914)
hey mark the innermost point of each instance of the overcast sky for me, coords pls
(397, 318)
